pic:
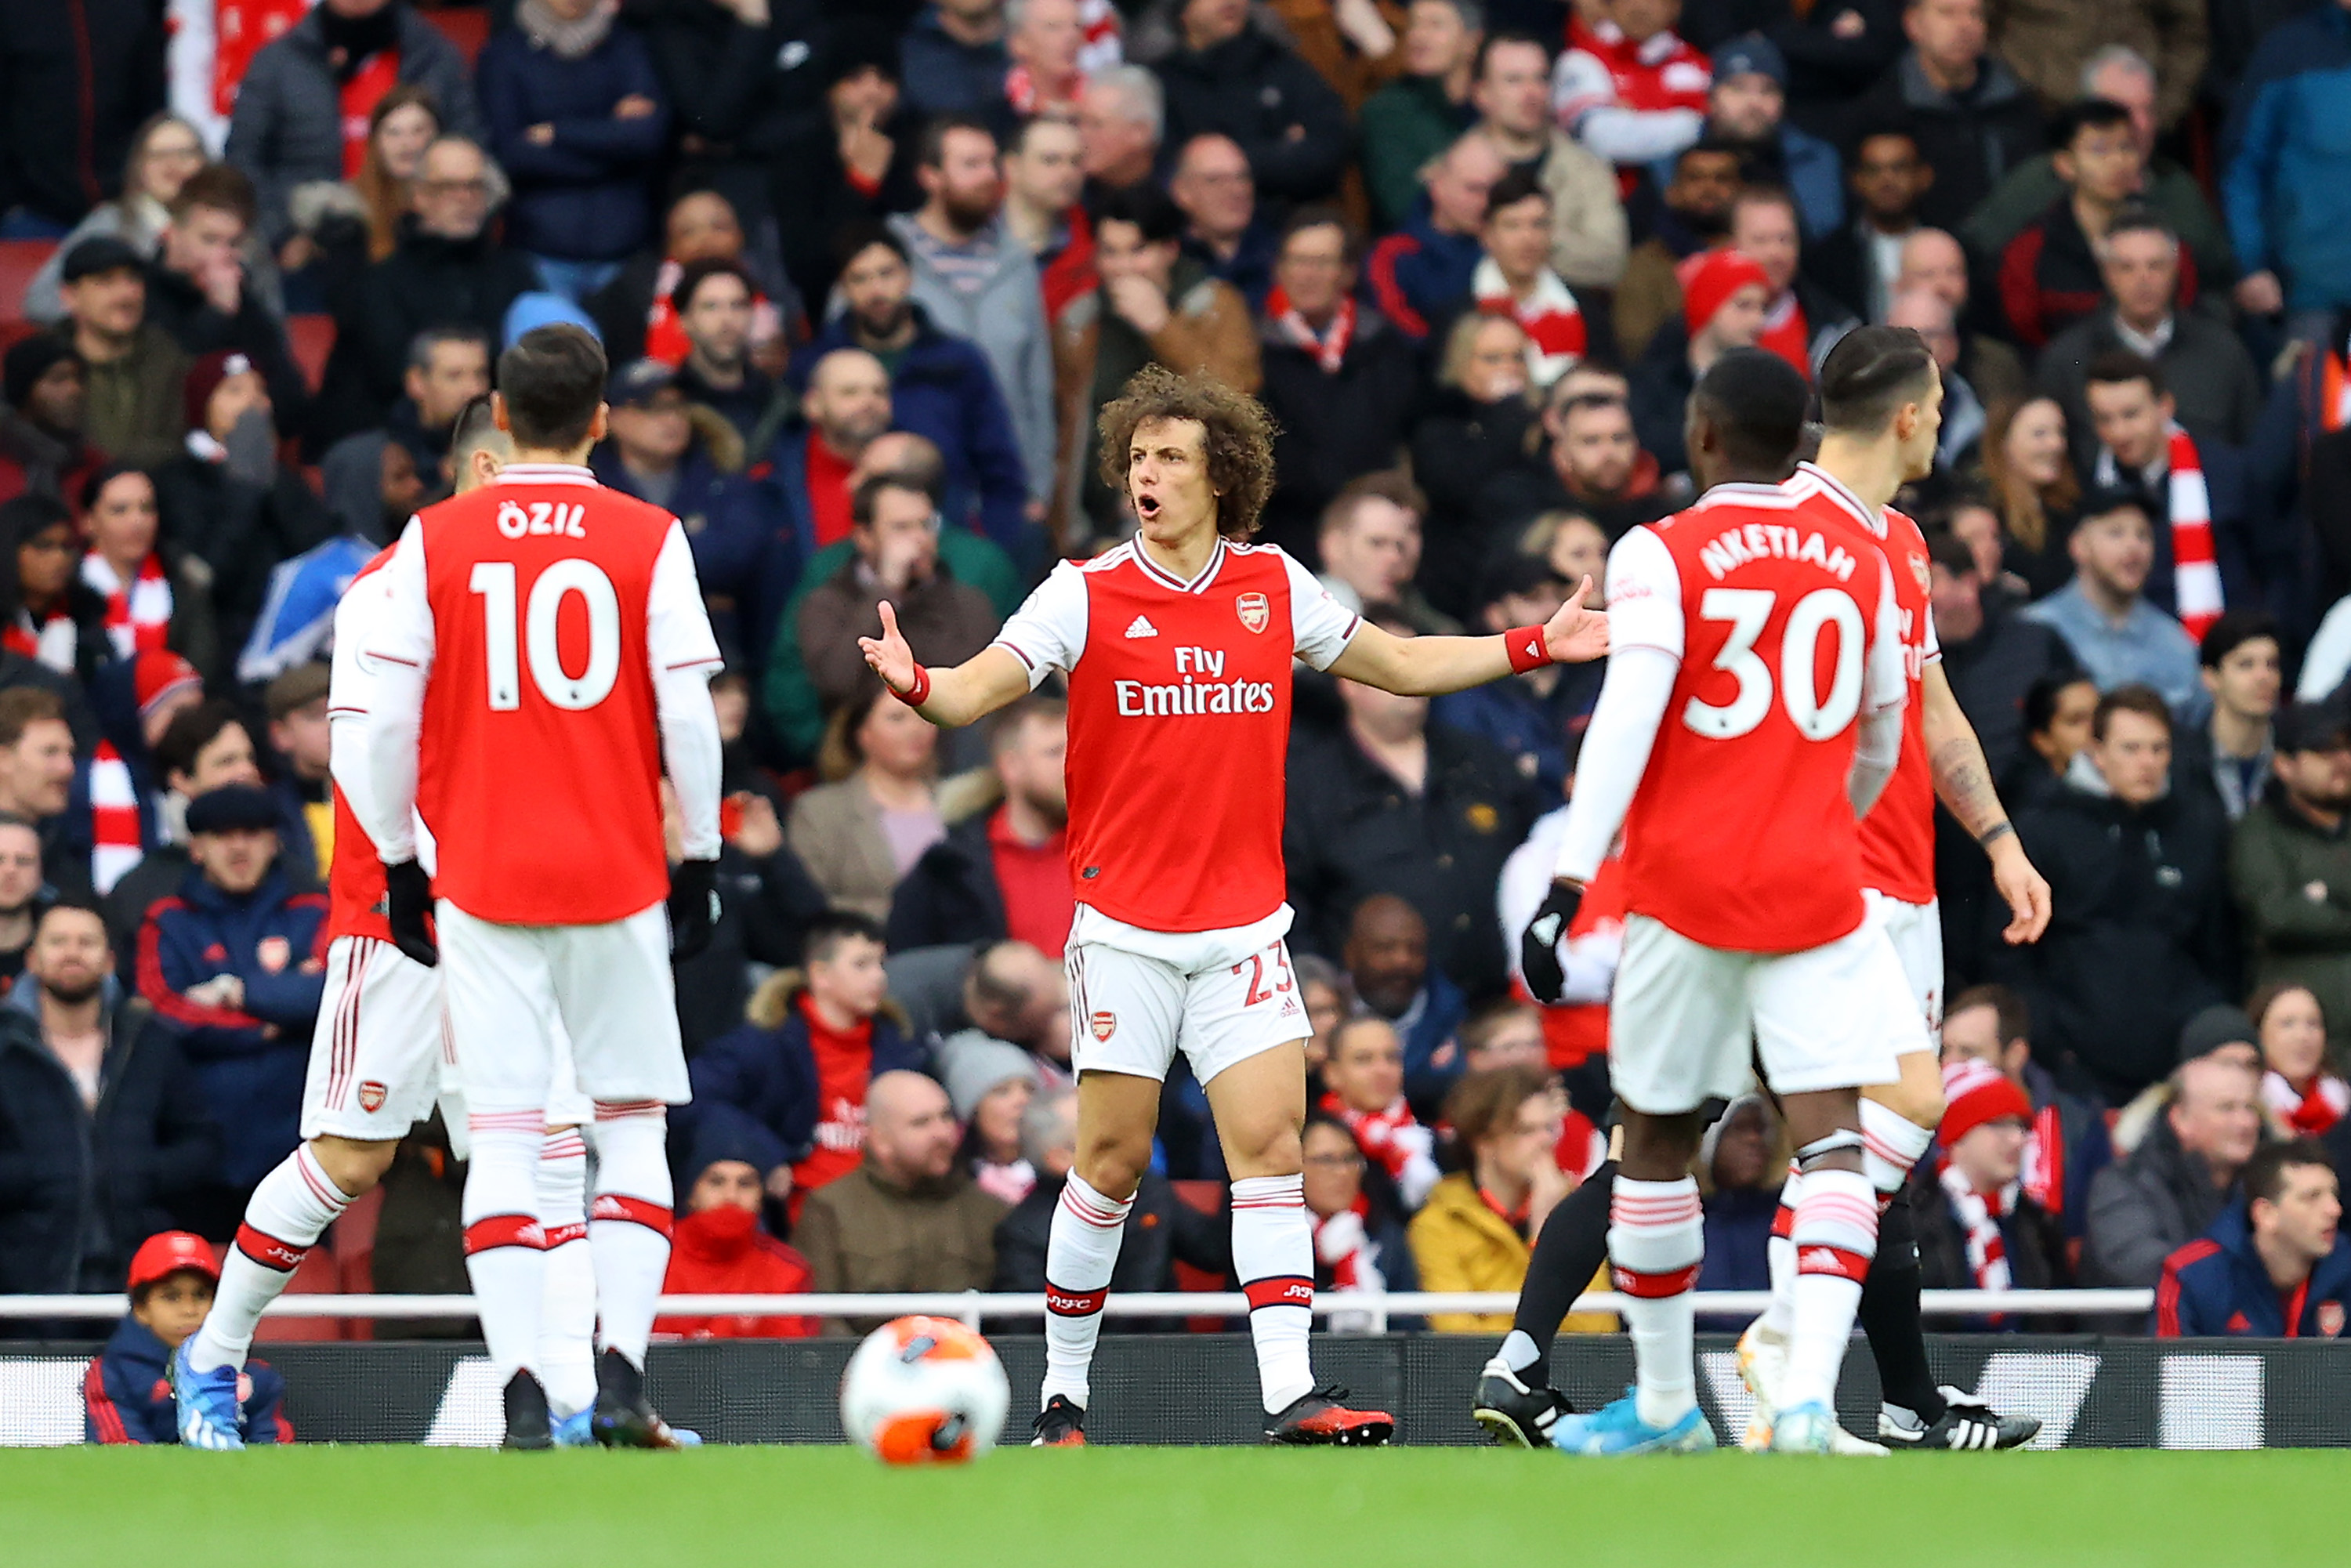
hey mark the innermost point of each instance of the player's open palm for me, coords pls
(888, 655)
(1576, 634)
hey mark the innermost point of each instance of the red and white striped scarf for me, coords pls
(117, 834)
(1341, 1242)
(55, 643)
(2044, 1173)
(2312, 1114)
(2195, 569)
(1375, 1132)
(138, 613)
(1552, 320)
(1979, 1218)
(1328, 346)
(1020, 91)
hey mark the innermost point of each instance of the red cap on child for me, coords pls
(168, 1252)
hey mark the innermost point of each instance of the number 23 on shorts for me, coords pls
(1255, 966)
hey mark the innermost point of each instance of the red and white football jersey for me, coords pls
(1180, 724)
(542, 608)
(1741, 835)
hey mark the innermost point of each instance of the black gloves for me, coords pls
(408, 903)
(1539, 944)
(693, 907)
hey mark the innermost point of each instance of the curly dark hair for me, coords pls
(1240, 439)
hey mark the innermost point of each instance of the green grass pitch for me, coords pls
(1145, 1508)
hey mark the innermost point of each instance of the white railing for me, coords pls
(971, 1307)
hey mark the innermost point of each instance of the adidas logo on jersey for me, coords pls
(1140, 626)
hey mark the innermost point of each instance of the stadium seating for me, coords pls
(468, 28)
(312, 339)
(19, 260)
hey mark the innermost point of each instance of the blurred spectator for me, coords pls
(230, 511)
(448, 367)
(788, 1088)
(1531, 716)
(2298, 1092)
(199, 291)
(1353, 44)
(989, 1085)
(575, 116)
(297, 705)
(123, 571)
(976, 284)
(1858, 262)
(1044, 170)
(861, 833)
(1933, 260)
(100, 1111)
(1359, 1246)
(1223, 230)
(1693, 216)
(1747, 107)
(954, 58)
(1973, 120)
(1340, 380)
(719, 1249)
(43, 450)
(636, 314)
(233, 962)
(403, 123)
(1006, 993)
(1591, 463)
(1964, 419)
(1476, 427)
(2274, 1265)
(2057, 713)
(713, 304)
(1479, 1225)
(895, 532)
(2139, 937)
(1330, 1001)
(165, 151)
(2280, 184)
(2028, 466)
(447, 271)
(846, 404)
(200, 747)
(2168, 1190)
(1513, 279)
(56, 616)
(1416, 117)
(853, 160)
(127, 1392)
(2291, 865)
(1232, 77)
(1979, 1228)
(1364, 1079)
(1161, 1230)
(1511, 92)
(2049, 274)
(906, 1219)
(136, 701)
(1726, 304)
(21, 891)
(2067, 1144)
(2229, 755)
(1122, 123)
(2219, 1033)
(1003, 872)
(303, 107)
(1391, 803)
(1629, 87)
(1045, 40)
(2219, 393)
(1154, 305)
(131, 368)
(2103, 613)
(939, 384)
(1742, 1177)
(81, 81)
(1993, 656)
(37, 770)
(2052, 47)
(1425, 269)
(1370, 545)
(1801, 324)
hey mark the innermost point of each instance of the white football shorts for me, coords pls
(378, 1052)
(1916, 932)
(1687, 1022)
(1137, 997)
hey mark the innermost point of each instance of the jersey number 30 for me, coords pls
(494, 581)
(1749, 610)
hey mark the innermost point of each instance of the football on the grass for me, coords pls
(924, 1391)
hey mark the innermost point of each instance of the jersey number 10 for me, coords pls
(494, 581)
(1749, 610)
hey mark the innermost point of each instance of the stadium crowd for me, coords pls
(864, 275)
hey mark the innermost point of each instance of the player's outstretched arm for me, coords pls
(948, 698)
(1963, 783)
(1431, 666)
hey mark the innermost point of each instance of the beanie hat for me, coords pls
(31, 359)
(976, 1066)
(1712, 282)
(1751, 55)
(233, 808)
(1976, 1092)
(157, 674)
(2213, 1028)
(205, 379)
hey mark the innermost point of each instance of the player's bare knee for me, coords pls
(1658, 1148)
(1917, 1095)
(1274, 1150)
(354, 1164)
(1112, 1164)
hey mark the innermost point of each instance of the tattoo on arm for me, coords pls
(1963, 783)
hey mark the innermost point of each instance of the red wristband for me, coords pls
(918, 694)
(1528, 649)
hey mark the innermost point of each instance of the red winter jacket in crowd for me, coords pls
(723, 1252)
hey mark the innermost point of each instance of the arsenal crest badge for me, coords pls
(2330, 1319)
(371, 1096)
(1103, 1024)
(1253, 610)
(273, 954)
(1919, 569)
